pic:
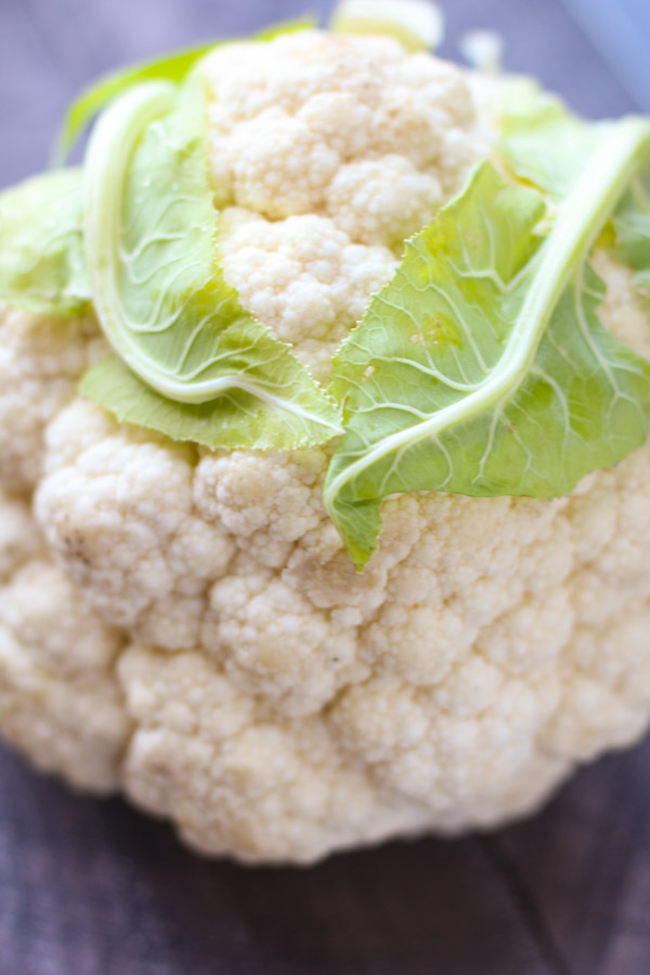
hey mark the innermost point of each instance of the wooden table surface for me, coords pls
(93, 888)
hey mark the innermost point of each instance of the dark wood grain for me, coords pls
(92, 887)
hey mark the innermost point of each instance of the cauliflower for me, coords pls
(325, 154)
(185, 625)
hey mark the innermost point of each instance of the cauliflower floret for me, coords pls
(298, 660)
(624, 313)
(325, 153)
(143, 557)
(186, 626)
(40, 361)
(303, 278)
(266, 501)
(285, 116)
(250, 784)
(455, 762)
(20, 539)
(59, 699)
(395, 200)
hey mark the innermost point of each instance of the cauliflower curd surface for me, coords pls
(185, 625)
(326, 153)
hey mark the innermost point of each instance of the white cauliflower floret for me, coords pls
(247, 492)
(40, 361)
(325, 153)
(298, 659)
(392, 196)
(185, 625)
(278, 166)
(303, 278)
(452, 763)
(235, 780)
(137, 547)
(59, 700)
(624, 313)
(286, 117)
(20, 539)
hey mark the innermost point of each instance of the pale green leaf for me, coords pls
(236, 419)
(417, 24)
(42, 267)
(632, 229)
(541, 141)
(482, 368)
(161, 298)
(170, 67)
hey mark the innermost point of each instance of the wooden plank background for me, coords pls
(93, 888)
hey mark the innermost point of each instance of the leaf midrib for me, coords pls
(578, 224)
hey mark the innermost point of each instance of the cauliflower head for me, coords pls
(184, 625)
